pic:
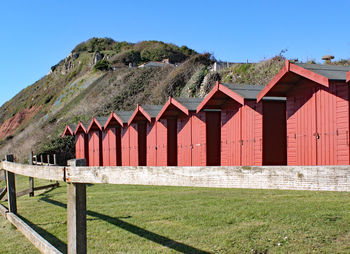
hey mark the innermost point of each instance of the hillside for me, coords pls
(101, 75)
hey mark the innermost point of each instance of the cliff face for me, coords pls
(102, 75)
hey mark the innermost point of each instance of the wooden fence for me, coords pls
(76, 175)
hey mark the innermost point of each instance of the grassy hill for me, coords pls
(101, 75)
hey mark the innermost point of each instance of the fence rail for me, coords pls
(76, 175)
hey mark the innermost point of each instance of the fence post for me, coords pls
(55, 159)
(31, 179)
(55, 164)
(76, 214)
(42, 159)
(11, 187)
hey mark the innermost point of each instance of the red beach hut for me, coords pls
(185, 133)
(81, 142)
(95, 142)
(251, 133)
(143, 135)
(317, 112)
(111, 141)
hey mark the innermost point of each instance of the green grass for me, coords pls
(147, 219)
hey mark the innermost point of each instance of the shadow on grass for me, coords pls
(164, 241)
(61, 246)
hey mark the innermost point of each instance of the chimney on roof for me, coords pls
(328, 58)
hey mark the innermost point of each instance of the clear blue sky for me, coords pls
(37, 34)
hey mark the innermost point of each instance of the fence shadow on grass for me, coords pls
(61, 246)
(164, 241)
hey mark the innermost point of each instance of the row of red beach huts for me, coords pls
(300, 118)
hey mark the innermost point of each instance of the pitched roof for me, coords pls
(152, 110)
(69, 128)
(245, 91)
(190, 103)
(72, 127)
(332, 72)
(292, 73)
(102, 120)
(84, 125)
(146, 111)
(124, 115)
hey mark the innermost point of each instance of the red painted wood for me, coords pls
(125, 146)
(231, 152)
(251, 134)
(134, 148)
(162, 143)
(81, 149)
(95, 147)
(199, 144)
(342, 123)
(301, 127)
(111, 146)
(213, 137)
(152, 143)
(142, 143)
(184, 148)
(274, 133)
(172, 141)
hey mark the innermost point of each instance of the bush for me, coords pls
(196, 80)
(95, 44)
(63, 147)
(102, 65)
(126, 57)
(181, 75)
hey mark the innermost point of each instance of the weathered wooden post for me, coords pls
(55, 164)
(11, 187)
(48, 160)
(76, 213)
(31, 179)
(55, 159)
(42, 159)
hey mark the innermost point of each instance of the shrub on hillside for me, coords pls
(181, 75)
(102, 65)
(64, 148)
(196, 80)
(126, 57)
(95, 44)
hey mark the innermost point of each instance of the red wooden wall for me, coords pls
(125, 145)
(252, 143)
(231, 152)
(162, 143)
(95, 147)
(199, 149)
(318, 124)
(133, 139)
(81, 146)
(111, 146)
(184, 138)
(152, 143)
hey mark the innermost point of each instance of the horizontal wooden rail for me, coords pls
(37, 240)
(55, 173)
(335, 178)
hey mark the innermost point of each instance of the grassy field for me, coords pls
(147, 219)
